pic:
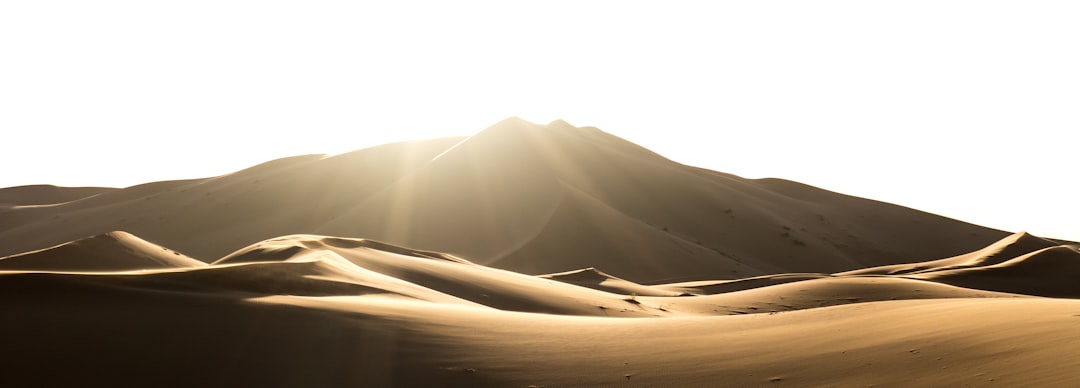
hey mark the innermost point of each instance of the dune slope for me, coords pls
(32, 195)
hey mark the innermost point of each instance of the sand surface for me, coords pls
(537, 256)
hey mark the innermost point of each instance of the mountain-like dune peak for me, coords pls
(544, 199)
(113, 251)
(1006, 249)
(481, 198)
(1052, 272)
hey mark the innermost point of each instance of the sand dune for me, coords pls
(1056, 270)
(113, 251)
(447, 275)
(417, 264)
(328, 311)
(1005, 249)
(1010, 265)
(519, 196)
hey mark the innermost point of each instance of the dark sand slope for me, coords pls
(519, 196)
(45, 194)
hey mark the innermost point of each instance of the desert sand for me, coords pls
(526, 255)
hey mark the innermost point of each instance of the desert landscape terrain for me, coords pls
(526, 255)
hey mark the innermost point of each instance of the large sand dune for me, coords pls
(524, 256)
(519, 196)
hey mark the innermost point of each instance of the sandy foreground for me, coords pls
(309, 310)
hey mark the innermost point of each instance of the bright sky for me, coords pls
(968, 109)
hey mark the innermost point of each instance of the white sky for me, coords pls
(969, 109)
